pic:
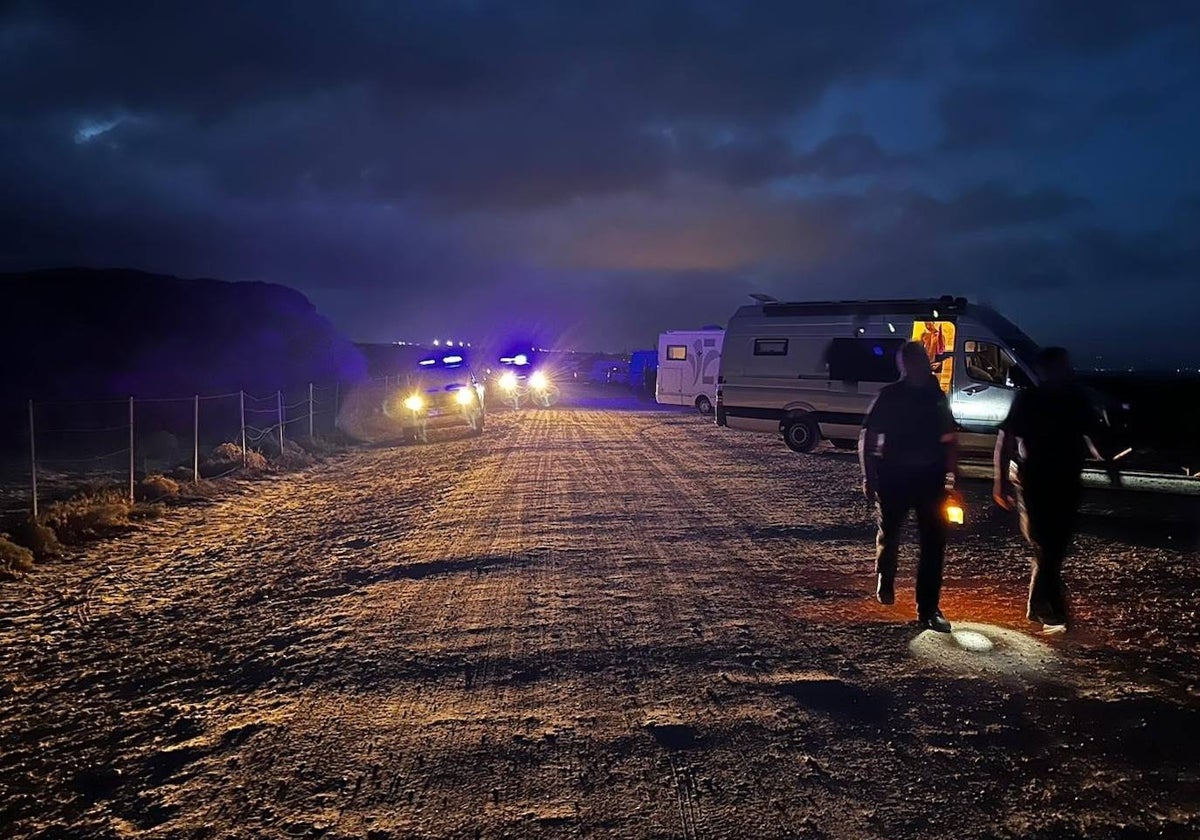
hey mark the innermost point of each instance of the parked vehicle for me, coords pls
(809, 371)
(608, 371)
(688, 362)
(442, 393)
(643, 366)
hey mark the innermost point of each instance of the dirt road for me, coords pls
(590, 623)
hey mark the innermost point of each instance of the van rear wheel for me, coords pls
(801, 434)
(704, 405)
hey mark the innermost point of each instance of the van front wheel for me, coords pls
(704, 405)
(801, 434)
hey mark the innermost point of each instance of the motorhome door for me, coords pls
(986, 382)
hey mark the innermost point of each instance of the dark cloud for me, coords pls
(1002, 115)
(613, 168)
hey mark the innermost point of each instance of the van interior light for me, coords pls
(435, 342)
(935, 314)
(891, 327)
(520, 359)
(428, 361)
(451, 360)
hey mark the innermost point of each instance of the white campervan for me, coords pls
(688, 362)
(811, 370)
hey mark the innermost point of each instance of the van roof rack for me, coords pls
(931, 307)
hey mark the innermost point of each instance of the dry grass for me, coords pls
(227, 457)
(15, 560)
(152, 488)
(38, 538)
(89, 516)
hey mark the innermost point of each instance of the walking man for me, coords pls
(1047, 430)
(908, 451)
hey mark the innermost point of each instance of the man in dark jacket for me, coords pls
(908, 451)
(1047, 430)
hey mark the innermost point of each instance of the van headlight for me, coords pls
(508, 381)
(464, 397)
(415, 403)
(539, 381)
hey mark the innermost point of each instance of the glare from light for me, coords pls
(985, 648)
(539, 380)
(463, 396)
(436, 343)
(508, 381)
(415, 403)
(954, 514)
(1120, 455)
(972, 640)
(520, 359)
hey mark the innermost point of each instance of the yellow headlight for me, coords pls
(539, 380)
(463, 396)
(508, 381)
(414, 403)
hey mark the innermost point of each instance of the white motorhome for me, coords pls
(688, 362)
(809, 371)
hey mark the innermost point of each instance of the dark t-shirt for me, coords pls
(913, 418)
(1051, 422)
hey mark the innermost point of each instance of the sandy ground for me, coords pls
(593, 623)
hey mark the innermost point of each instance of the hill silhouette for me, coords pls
(79, 333)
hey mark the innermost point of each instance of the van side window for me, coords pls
(988, 362)
(677, 352)
(863, 359)
(770, 346)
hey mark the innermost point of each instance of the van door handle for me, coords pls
(975, 389)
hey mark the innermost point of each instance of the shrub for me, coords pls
(228, 457)
(155, 487)
(227, 452)
(15, 560)
(38, 538)
(89, 516)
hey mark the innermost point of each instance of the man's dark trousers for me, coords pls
(922, 490)
(1048, 507)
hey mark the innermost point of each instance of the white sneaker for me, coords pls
(1054, 629)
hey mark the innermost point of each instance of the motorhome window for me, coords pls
(863, 359)
(677, 352)
(770, 346)
(989, 363)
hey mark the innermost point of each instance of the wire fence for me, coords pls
(79, 444)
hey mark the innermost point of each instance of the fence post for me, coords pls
(196, 442)
(242, 406)
(279, 399)
(131, 450)
(310, 411)
(33, 461)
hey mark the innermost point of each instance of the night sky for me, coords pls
(598, 172)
